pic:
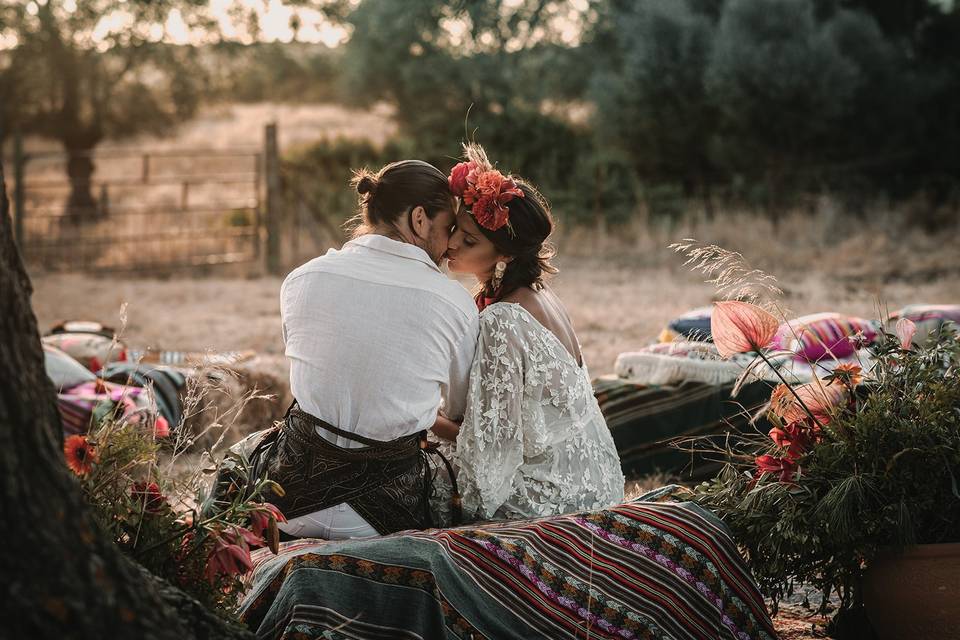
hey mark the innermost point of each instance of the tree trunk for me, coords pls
(63, 578)
(81, 205)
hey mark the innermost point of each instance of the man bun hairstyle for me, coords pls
(394, 191)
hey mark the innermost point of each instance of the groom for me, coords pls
(379, 340)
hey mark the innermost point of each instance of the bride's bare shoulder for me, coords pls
(533, 302)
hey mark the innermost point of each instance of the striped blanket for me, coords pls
(642, 569)
(644, 418)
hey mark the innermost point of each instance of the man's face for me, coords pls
(438, 235)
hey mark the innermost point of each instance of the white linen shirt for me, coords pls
(378, 340)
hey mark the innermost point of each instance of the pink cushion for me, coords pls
(819, 335)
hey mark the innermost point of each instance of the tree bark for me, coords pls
(63, 578)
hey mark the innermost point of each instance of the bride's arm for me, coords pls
(445, 428)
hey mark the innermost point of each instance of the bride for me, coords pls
(533, 441)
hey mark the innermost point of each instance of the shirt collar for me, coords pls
(397, 248)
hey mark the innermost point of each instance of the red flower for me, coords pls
(738, 327)
(147, 496)
(80, 454)
(795, 437)
(264, 520)
(784, 466)
(458, 177)
(488, 194)
(227, 559)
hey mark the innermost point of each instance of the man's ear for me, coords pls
(419, 222)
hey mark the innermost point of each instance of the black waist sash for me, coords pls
(387, 482)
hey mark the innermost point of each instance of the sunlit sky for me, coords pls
(274, 19)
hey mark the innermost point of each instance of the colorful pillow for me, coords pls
(823, 335)
(929, 318)
(64, 371)
(91, 350)
(694, 324)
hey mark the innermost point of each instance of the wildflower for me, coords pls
(80, 454)
(796, 437)
(848, 373)
(738, 327)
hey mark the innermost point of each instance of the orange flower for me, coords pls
(738, 327)
(80, 454)
(849, 372)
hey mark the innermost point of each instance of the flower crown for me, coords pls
(484, 189)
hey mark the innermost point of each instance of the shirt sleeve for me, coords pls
(455, 393)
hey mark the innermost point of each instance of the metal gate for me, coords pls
(148, 210)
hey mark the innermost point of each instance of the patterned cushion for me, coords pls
(694, 324)
(823, 335)
(929, 318)
(89, 349)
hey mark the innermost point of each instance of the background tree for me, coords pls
(650, 95)
(781, 85)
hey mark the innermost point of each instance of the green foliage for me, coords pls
(177, 528)
(884, 475)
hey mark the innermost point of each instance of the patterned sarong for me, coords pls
(638, 570)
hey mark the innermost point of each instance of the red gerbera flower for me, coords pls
(80, 454)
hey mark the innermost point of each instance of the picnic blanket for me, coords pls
(643, 418)
(642, 569)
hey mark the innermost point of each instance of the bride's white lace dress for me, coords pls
(533, 441)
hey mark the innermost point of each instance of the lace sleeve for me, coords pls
(490, 443)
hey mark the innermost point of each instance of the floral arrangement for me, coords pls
(175, 526)
(859, 460)
(484, 189)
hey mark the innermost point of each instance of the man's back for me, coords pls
(376, 334)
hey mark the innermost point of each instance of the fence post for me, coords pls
(18, 198)
(273, 204)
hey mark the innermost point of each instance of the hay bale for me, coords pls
(224, 403)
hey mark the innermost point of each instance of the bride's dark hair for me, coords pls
(524, 239)
(397, 188)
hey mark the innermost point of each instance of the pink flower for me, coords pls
(905, 330)
(738, 327)
(821, 399)
(458, 177)
(783, 466)
(260, 518)
(161, 428)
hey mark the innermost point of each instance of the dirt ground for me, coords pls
(615, 305)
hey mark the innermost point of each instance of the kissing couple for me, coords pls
(417, 404)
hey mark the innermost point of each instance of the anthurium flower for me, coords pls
(80, 454)
(738, 327)
(820, 398)
(906, 328)
(786, 467)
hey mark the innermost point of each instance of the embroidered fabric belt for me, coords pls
(387, 482)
